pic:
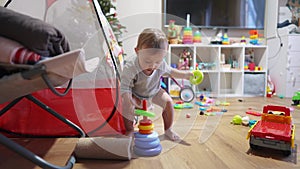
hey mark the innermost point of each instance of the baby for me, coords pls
(140, 80)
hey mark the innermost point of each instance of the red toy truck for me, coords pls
(275, 130)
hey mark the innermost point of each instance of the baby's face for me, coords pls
(150, 59)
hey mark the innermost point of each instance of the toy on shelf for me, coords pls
(249, 63)
(146, 141)
(225, 39)
(243, 41)
(187, 32)
(185, 61)
(249, 58)
(173, 32)
(197, 37)
(206, 65)
(275, 130)
(253, 37)
(217, 39)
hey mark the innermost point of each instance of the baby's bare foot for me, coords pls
(172, 135)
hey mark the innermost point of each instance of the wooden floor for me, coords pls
(209, 142)
(55, 151)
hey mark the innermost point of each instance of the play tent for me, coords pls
(93, 102)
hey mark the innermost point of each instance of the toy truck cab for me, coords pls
(275, 130)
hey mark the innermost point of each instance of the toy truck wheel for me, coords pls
(254, 147)
(287, 152)
(296, 102)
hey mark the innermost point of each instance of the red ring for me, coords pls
(145, 131)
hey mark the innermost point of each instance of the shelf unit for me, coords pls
(224, 69)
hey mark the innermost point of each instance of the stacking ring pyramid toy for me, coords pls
(146, 141)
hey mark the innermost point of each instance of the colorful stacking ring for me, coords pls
(144, 113)
(145, 131)
(147, 144)
(147, 152)
(197, 77)
(145, 137)
(146, 122)
(146, 127)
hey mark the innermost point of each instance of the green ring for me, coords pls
(197, 78)
(144, 113)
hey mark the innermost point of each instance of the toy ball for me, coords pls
(187, 115)
(197, 78)
(245, 120)
(237, 120)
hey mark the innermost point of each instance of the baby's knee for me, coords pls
(168, 106)
(169, 103)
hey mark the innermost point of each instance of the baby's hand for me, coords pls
(128, 99)
(188, 75)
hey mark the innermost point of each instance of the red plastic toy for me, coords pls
(253, 113)
(275, 130)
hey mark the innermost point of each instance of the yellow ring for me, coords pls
(149, 127)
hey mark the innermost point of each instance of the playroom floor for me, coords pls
(212, 142)
(209, 142)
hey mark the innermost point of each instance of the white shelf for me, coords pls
(219, 79)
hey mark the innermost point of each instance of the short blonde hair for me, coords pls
(152, 38)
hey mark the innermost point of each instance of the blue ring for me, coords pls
(147, 144)
(146, 137)
(147, 152)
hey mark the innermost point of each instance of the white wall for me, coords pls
(137, 15)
